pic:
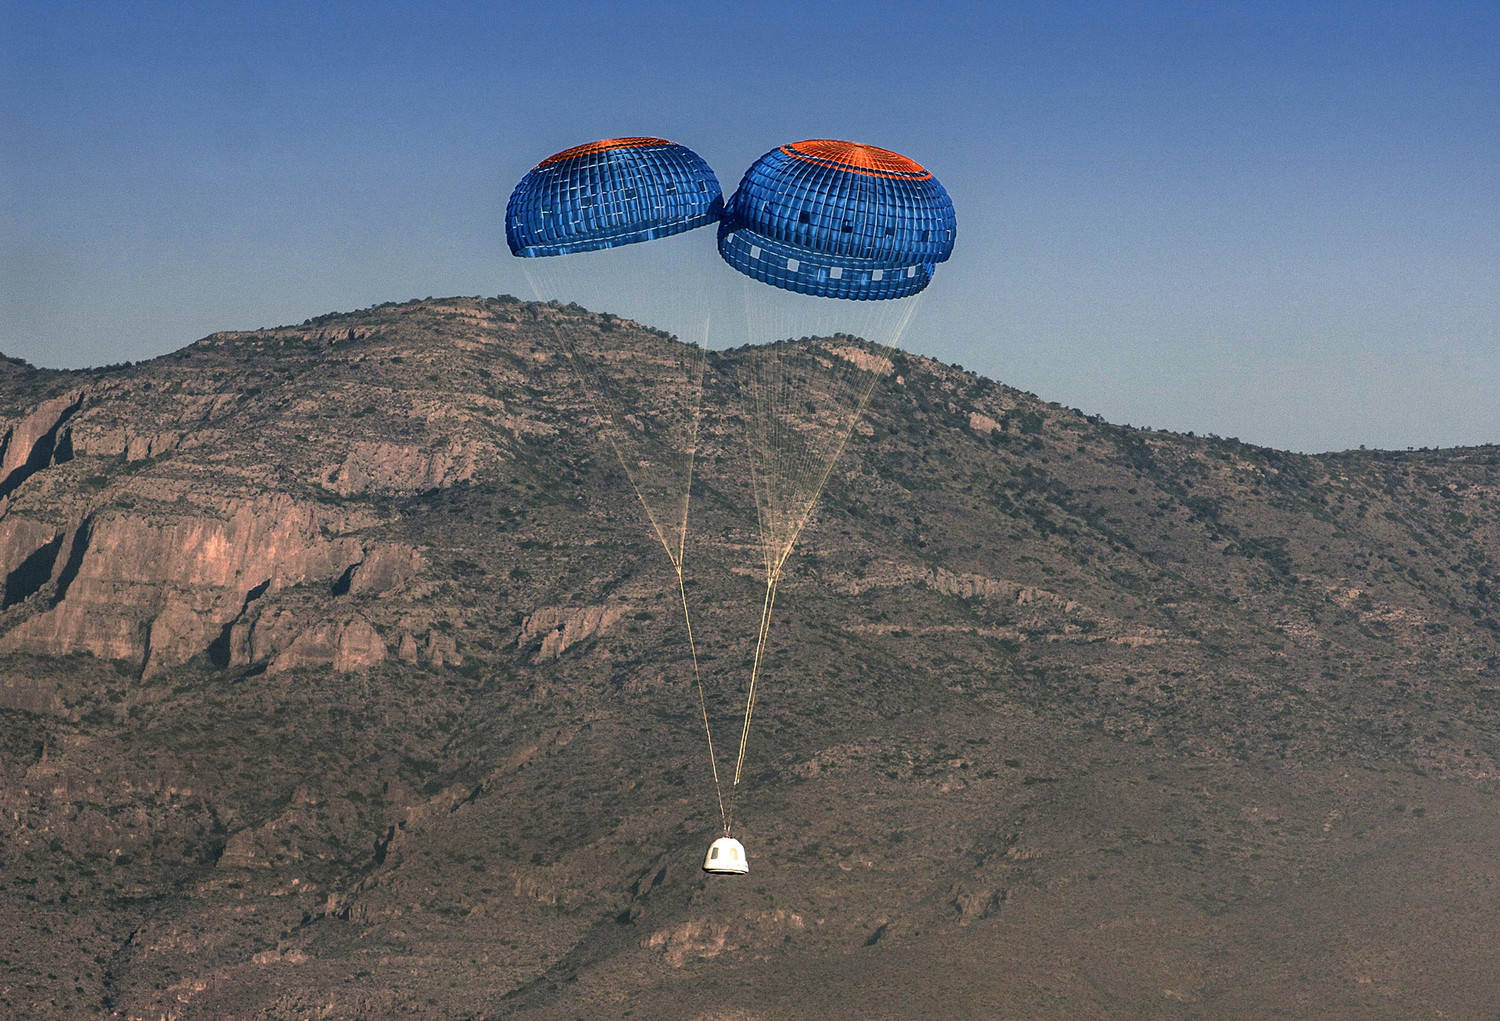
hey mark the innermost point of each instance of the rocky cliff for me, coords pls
(341, 675)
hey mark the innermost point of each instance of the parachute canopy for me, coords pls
(613, 192)
(838, 220)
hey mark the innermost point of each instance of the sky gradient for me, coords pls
(1249, 219)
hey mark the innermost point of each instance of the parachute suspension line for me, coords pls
(687, 495)
(789, 472)
(764, 400)
(611, 414)
(687, 618)
(866, 391)
(772, 582)
(713, 758)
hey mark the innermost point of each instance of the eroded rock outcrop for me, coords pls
(964, 585)
(36, 441)
(283, 640)
(560, 627)
(386, 568)
(442, 650)
(345, 646)
(975, 903)
(704, 939)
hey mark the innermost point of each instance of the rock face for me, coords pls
(157, 590)
(36, 441)
(340, 676)
(392, 467)
(28, 553)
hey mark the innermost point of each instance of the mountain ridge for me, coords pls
(359, 603)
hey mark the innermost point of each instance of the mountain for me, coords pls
(341, 676)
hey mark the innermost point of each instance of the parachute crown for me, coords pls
(858, 157)
(603, 145)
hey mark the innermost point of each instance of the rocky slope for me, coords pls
(341, 676)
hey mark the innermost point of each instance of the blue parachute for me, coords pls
(613, 192)
(838, 220)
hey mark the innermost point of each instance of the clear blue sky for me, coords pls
(1277, 221)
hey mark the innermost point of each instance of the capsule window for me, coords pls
(792, 265)
(713, 853)
(911, 271)
(803, 217)
(755, 251)
(877, 274)
(836, 272)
